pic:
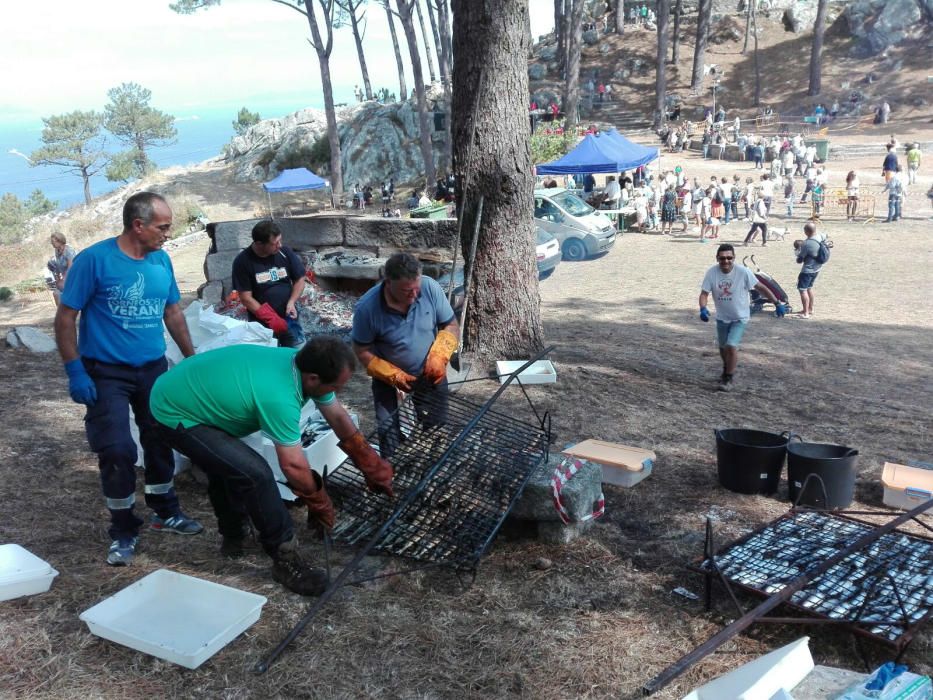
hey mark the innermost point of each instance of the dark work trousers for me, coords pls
(430, 404)
(107, 424)
(239, 480)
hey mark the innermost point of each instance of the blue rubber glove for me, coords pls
(704, 314)
(780, 309)
(80, 385)
(884, 675)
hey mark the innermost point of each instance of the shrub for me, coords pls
(5, 294)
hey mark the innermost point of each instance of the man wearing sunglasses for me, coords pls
(730, 286)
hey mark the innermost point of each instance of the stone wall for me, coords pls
(372, 239)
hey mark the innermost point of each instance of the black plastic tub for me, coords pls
(750, 461)
(821, 475)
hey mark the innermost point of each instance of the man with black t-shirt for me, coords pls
(269, 278)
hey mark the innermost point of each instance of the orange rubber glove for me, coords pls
(320, 509)
(267, 315)
(435, 366)
(377, 471)
(390, 374)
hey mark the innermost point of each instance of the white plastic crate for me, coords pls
(321, 453)
(905, 486)
(540, 372)
(175, 617)
(22, 573)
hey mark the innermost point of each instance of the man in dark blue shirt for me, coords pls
(890, 160)
(269, 278)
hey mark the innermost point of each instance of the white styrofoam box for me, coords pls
(625, 477)
(540, 372)
(906, 486)
(175, 617)
(322, 453)
(22, 573)
(761, 678)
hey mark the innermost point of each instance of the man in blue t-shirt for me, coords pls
(269, 278)
(124, 288)
(404, 332)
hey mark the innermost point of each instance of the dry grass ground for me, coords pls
(635, 365)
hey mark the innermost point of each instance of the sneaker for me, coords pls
(725, 383)
(122, 551)
(179, 523)
(293, 573)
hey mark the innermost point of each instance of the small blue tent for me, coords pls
(294, 180)
(600, 154)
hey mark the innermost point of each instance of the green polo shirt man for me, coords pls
(205, 404)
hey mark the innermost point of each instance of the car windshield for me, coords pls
(572, 204)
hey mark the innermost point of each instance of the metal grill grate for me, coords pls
(455, 516)
(884, 589)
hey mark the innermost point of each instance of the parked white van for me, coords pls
(581, 230)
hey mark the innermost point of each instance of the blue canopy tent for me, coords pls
(293, 180)
(607, 153)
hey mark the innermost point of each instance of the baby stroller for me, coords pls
(757, 300)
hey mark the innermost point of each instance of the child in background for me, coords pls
(789, 195)
(817, 194)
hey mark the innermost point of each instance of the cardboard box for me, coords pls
(906, 487)
(622, 465)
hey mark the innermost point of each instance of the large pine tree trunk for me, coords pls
(678, 14)
(443, 28)
(491, 40)
(620, 16)
(402, 88)
(426, 128)
(816, 52)
(355, 25)
(571, 96)
(664, 13)
(427, 44)
(323, 49)
(704, 11)
(748, 24)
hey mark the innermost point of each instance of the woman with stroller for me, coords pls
(852, 185)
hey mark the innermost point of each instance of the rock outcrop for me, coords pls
(879, 24)
(377, 142)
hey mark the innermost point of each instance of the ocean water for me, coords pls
(201, 135)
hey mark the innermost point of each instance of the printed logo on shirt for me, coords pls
(273, 274)
(725, 289)
(130, 304)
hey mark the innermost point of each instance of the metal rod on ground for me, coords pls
(466, 182)
(466, 279)
(263, 665)
(782, 596)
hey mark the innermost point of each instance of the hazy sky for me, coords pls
(60, 55)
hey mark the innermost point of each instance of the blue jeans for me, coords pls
(294, 337)
(430, 404)
(240, 482)
(107, 424)
(894, 208)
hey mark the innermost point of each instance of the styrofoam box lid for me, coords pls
(901, 476)
(19, 564)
